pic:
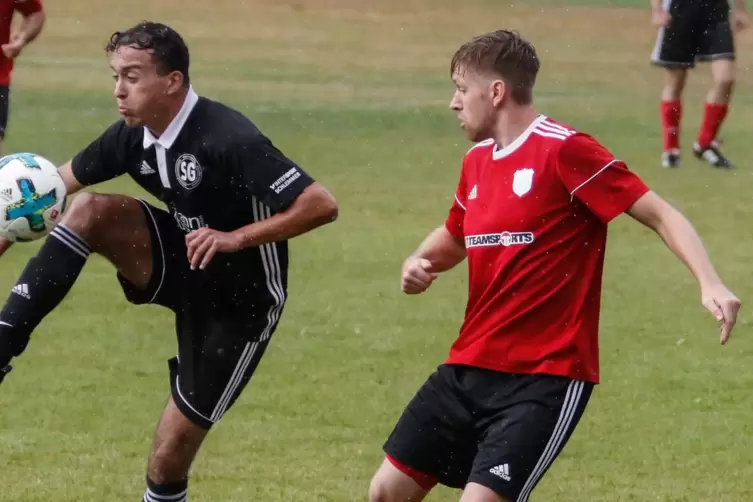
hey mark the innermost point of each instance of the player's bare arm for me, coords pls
(740, 19)
(439, 252)
(659, 15)
(313, 208)
(29, 29)
(680, 236)
(71, 186)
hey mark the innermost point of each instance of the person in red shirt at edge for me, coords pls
(11, 45)
(530, 214)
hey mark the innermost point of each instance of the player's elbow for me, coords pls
(321, 205)
(328, 209)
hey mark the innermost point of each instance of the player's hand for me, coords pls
(204, 243)
(724, 306)
(660, 17)
(740, 20)
(417, 276)
(14, 46)
(4, 245)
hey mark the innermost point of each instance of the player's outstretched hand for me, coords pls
(204, 243)
(724, 306)
(417, 276)
(660, 17)
(14, 46)
(4, 245)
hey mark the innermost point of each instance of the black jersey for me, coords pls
(212, 167)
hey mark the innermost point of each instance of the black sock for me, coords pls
(168, 492)
(43, 284)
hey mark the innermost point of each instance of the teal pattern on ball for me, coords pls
(31, 206)
(27, 159)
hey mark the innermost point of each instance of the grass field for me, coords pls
(357, 92)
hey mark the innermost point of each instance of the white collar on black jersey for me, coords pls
(498, 153)
(171, 133)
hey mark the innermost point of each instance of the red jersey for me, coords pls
(534, 220)
(7, 9)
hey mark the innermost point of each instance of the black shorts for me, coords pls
(220, 340)
(500, 430)
(698, 31)
(4, 109)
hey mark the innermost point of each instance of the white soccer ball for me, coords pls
(32, 197)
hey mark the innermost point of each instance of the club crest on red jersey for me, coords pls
(522, 181)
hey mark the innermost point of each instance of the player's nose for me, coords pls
(119, 91)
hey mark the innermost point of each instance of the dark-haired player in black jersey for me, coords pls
(218, 256)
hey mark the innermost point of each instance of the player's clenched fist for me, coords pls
(417, 276)
(204, 243)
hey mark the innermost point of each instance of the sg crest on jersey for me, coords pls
(188, 171)
(522, 181)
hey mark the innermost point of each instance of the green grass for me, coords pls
(358, 95)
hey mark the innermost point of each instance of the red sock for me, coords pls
(713, 116)
(671, 113)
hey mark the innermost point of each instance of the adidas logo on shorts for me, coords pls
(21, 289)
(503, 471)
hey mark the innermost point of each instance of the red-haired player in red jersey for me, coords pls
(11, 45)
(530, 214)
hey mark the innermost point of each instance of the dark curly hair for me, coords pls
(166, 46)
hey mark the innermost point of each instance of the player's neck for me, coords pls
(162, 120)
(513, 123)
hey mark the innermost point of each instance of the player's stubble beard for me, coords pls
(484, 131)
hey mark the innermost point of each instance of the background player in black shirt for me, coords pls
(690, 31)
(217, 257)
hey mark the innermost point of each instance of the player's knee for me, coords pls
(384, 488)
(379, 490)
(85, 213)
(674, 84)
(724, 83)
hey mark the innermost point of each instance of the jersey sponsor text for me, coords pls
(502, 239)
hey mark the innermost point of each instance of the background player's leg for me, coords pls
(715, 111)
(111, 225)
(475, 492)
(392, 485)
(671, 114)
(717, 46)
(176, 442)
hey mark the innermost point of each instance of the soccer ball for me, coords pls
(32, 197)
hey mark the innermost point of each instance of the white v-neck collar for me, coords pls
(498, 153)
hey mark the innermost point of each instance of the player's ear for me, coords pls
(174, 82)
(498, 90)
